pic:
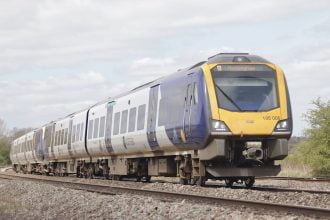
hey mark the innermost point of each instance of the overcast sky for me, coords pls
(57, 57)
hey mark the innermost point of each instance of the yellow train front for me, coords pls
(251, 118)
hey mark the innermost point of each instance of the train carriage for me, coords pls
(225, 118)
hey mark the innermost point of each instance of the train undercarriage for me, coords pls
(229, 160)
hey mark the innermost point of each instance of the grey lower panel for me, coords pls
(234, 172)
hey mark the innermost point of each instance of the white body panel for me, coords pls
(78, 136)
(96, 130)
(21, 155)
(61, 139)
(135, 141)
(30, 152)
(13, 152)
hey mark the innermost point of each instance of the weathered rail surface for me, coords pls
(278, 189)
(173, 196)
(306, 179)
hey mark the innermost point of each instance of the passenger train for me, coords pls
(227, 118)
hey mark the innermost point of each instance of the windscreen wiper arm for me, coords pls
(225, 94)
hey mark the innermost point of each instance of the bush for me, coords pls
(315, 151)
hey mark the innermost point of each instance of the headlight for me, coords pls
(282, 126)
(219, 126)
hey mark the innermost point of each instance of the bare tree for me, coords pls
(3, 128)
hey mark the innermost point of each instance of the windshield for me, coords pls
(245, 88)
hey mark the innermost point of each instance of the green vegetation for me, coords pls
(4, 144)
(6, 139)
(312, 156)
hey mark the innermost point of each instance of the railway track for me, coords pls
(259, 188)
(276, 189)
(303, 179)
(174, 196)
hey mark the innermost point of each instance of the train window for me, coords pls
(102, 123)
(251, 88)
(132, 119)
(96, 127)
(59, 137)
(55, 139)
(141, 117)
(195, 93)
(73, 136)
(90, 129)
(52, 139)
(66, 136)
(123, 125)
(62, 136)
(78, 133)
(116, 124)
(81, 131)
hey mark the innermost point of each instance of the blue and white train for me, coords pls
(225, 118)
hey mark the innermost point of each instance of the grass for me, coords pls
(291, 169)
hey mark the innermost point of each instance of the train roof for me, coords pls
(236, 57)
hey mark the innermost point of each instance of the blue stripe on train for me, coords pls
(182, 129)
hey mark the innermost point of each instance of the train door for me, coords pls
(108, 126)
(70, 137)
(52, 141)
(152, 116)
(189, 107)
(48, 137)
(39, 144)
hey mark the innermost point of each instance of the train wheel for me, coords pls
(229, 182)
(183, 181)
(106, 176)
(201, 181)
(116, 177)
(147, 179)
(249, 182)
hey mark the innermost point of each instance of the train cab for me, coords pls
(250, 121)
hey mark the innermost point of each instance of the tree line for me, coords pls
(6, 137)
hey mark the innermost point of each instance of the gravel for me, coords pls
(31, 200)
(290, 198)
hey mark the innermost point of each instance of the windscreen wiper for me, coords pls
(225, 94)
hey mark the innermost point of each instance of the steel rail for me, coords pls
(173, 196)
(258, 188)
(274, 189)
(307, 179)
